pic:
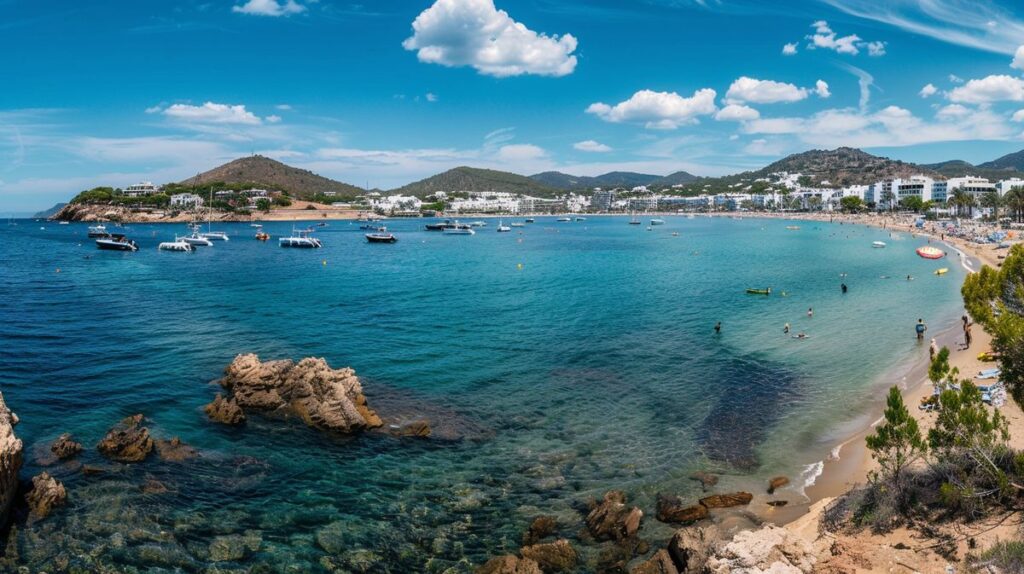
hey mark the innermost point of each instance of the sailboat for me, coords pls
(633, 220)
(210, 234)
(502, 227)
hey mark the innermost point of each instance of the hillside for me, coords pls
(563, 180)
(47, 213)
(566, 181)
(273, 174)
(677, 178)
(958, 168)
(844, 166)
(1009, 162)
(476, 179)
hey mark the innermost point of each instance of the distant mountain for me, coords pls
(47, 213)
(845, 166)
(273, 174)
(563, 180)
(566, 181)
(476, 179)
(960, 168)
(625, 179)
(677, 178)
(1011, 162)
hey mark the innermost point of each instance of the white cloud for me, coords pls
(431, 97)
(764, 147)
(746, 89)
(821, 88)
(928, 91)
(994, 88)
(475, 33)
(520, 153)
(270, 8)
(212, 113)
(876, 49)
(1018, 116)
(789, 49)
(591, 146)
(658, 110)
(283, 107)
(953, 78)
(827, 39)
(1018, 58)
(273, 119)
(952, 111)
(154, 110)
(737, 113)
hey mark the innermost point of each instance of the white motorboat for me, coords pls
(300, 239)
(97, 231)
(518, 224)
(197, 240)
(215, 235)
(878, 244)
(478, 224)
(564, 219)
(459, 231)
(178, 244)
(502, 227)
(657, 222)
(64, 223)
(116, 242)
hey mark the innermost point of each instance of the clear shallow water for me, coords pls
(593, 366)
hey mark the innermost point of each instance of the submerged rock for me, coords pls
(65, 447)
(540, 528)
(672, 509)
(174, 450)
(509, 564)
(705, 479)
(47, 493)
(555, 556)
(128, 441)
(324, 398)
(727, 500)
(225, 411)
(777, 483)
(611, 519)
(417, 428)
(11, 457)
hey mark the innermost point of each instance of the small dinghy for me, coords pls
(753, 291)
(878, 244)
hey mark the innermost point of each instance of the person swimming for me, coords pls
(718, 327)
(800, 335)
(785, 328)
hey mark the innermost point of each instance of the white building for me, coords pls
(1007, 184)
(264, 193)
(141, 189)
(486, 202)
(643, 203)
(186, 200)
(976, 186)
(602, 199)
(396, 203)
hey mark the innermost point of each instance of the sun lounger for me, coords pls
(988, 374)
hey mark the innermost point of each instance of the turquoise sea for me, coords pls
(555, 362)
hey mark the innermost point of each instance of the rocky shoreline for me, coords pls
(298, 211)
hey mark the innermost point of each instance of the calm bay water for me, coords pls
(557, 362)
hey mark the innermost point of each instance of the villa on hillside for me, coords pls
(141, 189)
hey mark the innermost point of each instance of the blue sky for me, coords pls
(391, 91)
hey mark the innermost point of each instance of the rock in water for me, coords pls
(557, 556)
(727, 500)
(325, 398)
(174, 450)
(777, 483)
(11, 451)
(47, 493)
(128, 441)
(673, 509)
(611, 519)
(65, 447)
(691, 547)
(660, 563)
(225, 411)
(417, 428)
(509, 564)
(540, 528)
(705, 479)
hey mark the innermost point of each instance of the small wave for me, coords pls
(833, 455)
(809, 475)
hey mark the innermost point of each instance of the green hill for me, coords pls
(476, 179)
(263, 171)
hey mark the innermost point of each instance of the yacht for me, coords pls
(478, 224)
(564, 219)
(518, 224)
(196, 239)
(442, 225)
(459, 230)
(878, 244)
(64, 223)
(581, 219)
(529, 220)
(116, 242)
(502, 227)
(300, 239)
(382, 236)
(178, 244)
(657, 222)
(98, 231)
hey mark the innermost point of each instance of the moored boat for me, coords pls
(97, 231)
(942, 271)
(382, 236)
(564, 219)
(300, 239)
(116, 242)
(878, 244)
(459, 230)
(177, 245)
(215, 235)
(765, 291)
(657, 222)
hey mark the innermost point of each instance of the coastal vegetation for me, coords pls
(995, 298)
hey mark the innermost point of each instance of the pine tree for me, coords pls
(897, 443)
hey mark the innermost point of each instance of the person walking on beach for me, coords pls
(933, 349)
(920, 328)
(718, 327)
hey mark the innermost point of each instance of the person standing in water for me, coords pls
(920, 328)
(718, 327)
(810, 312)
(843, 287)
(785, 328)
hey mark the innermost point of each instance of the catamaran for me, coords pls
(300, 239)
(178, 244)
(197, 239)
(210, 234)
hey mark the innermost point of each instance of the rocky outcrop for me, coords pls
(11, 456)
(611, 519)
(727, 500)
(46, 494)
(769, 549)
(324, 398)
(418, 429)
(660, 563)
(225, 411)
(672, 509)
(65, 447)
(557, 556)
(127, 441)
(690, 548)
(509, 564)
